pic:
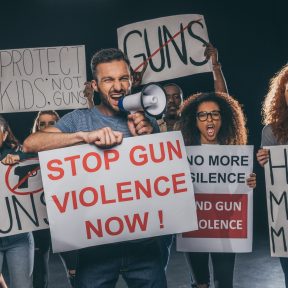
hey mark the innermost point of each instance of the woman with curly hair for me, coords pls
(213, 118)
(275, 131)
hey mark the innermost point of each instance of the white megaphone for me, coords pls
(151, 100)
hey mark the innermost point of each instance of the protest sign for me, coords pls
(276, 179)
(223, 199)
(48, 78)
(173, 46)
(135, 190)
(22, 203)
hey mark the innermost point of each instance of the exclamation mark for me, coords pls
(160, 215)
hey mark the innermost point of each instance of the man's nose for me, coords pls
(117, 85)
(170, 99)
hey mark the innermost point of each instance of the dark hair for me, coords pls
(11, 141)
(35, 127)
(177, 86)
(105, 56)
(233, 129)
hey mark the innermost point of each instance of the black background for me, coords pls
(251, 40)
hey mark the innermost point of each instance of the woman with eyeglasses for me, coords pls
(213, 118)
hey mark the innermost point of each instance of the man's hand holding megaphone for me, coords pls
(139, 124)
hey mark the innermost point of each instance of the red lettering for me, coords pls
(121, 190)
(103, 196)
(98, 162)
(136, 219)
(51, 167)
(74, 200)
(139, 187)
(94, 196)
(107, 159)
(115, 225)
(156, 186)
(177, 151)
(61, 207)
(162, 153)
(120, 224)
(143, 156)
(72, 163)
(177, 182)
(97, 230)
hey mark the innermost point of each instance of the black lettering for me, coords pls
(60, 61)
(283, 197)
(9, 215)
(191, 33)
(17, 204)
(182, 55)
(271, 167)
(162, 56)
(280, 232)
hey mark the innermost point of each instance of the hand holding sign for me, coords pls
(10, 159)
(104, 137)
(262, 156)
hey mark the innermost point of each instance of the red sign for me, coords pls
(220, 216)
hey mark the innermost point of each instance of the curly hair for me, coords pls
(35, 127)
(233, 129)
(11, 141)
(275, 109)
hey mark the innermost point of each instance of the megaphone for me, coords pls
(151, 100)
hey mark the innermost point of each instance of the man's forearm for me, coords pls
(41, 141)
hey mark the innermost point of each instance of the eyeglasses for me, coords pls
(203, 115)
(44, 124)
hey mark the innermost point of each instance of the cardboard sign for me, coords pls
(22, 203)
(173, 46)
(224, 201)
(135, 190)
(49, 78)
(276, 178)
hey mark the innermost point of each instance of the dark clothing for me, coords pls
(5, 150)
(223, 268)
(42, 242)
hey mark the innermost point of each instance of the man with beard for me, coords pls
(139, 261)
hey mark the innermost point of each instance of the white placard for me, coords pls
(276, 179)
(223, 199)
(22, 203)
(186, 36)
(138, 189)
(47, 78)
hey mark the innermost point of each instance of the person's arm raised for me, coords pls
(52, 138)
(219, 80)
